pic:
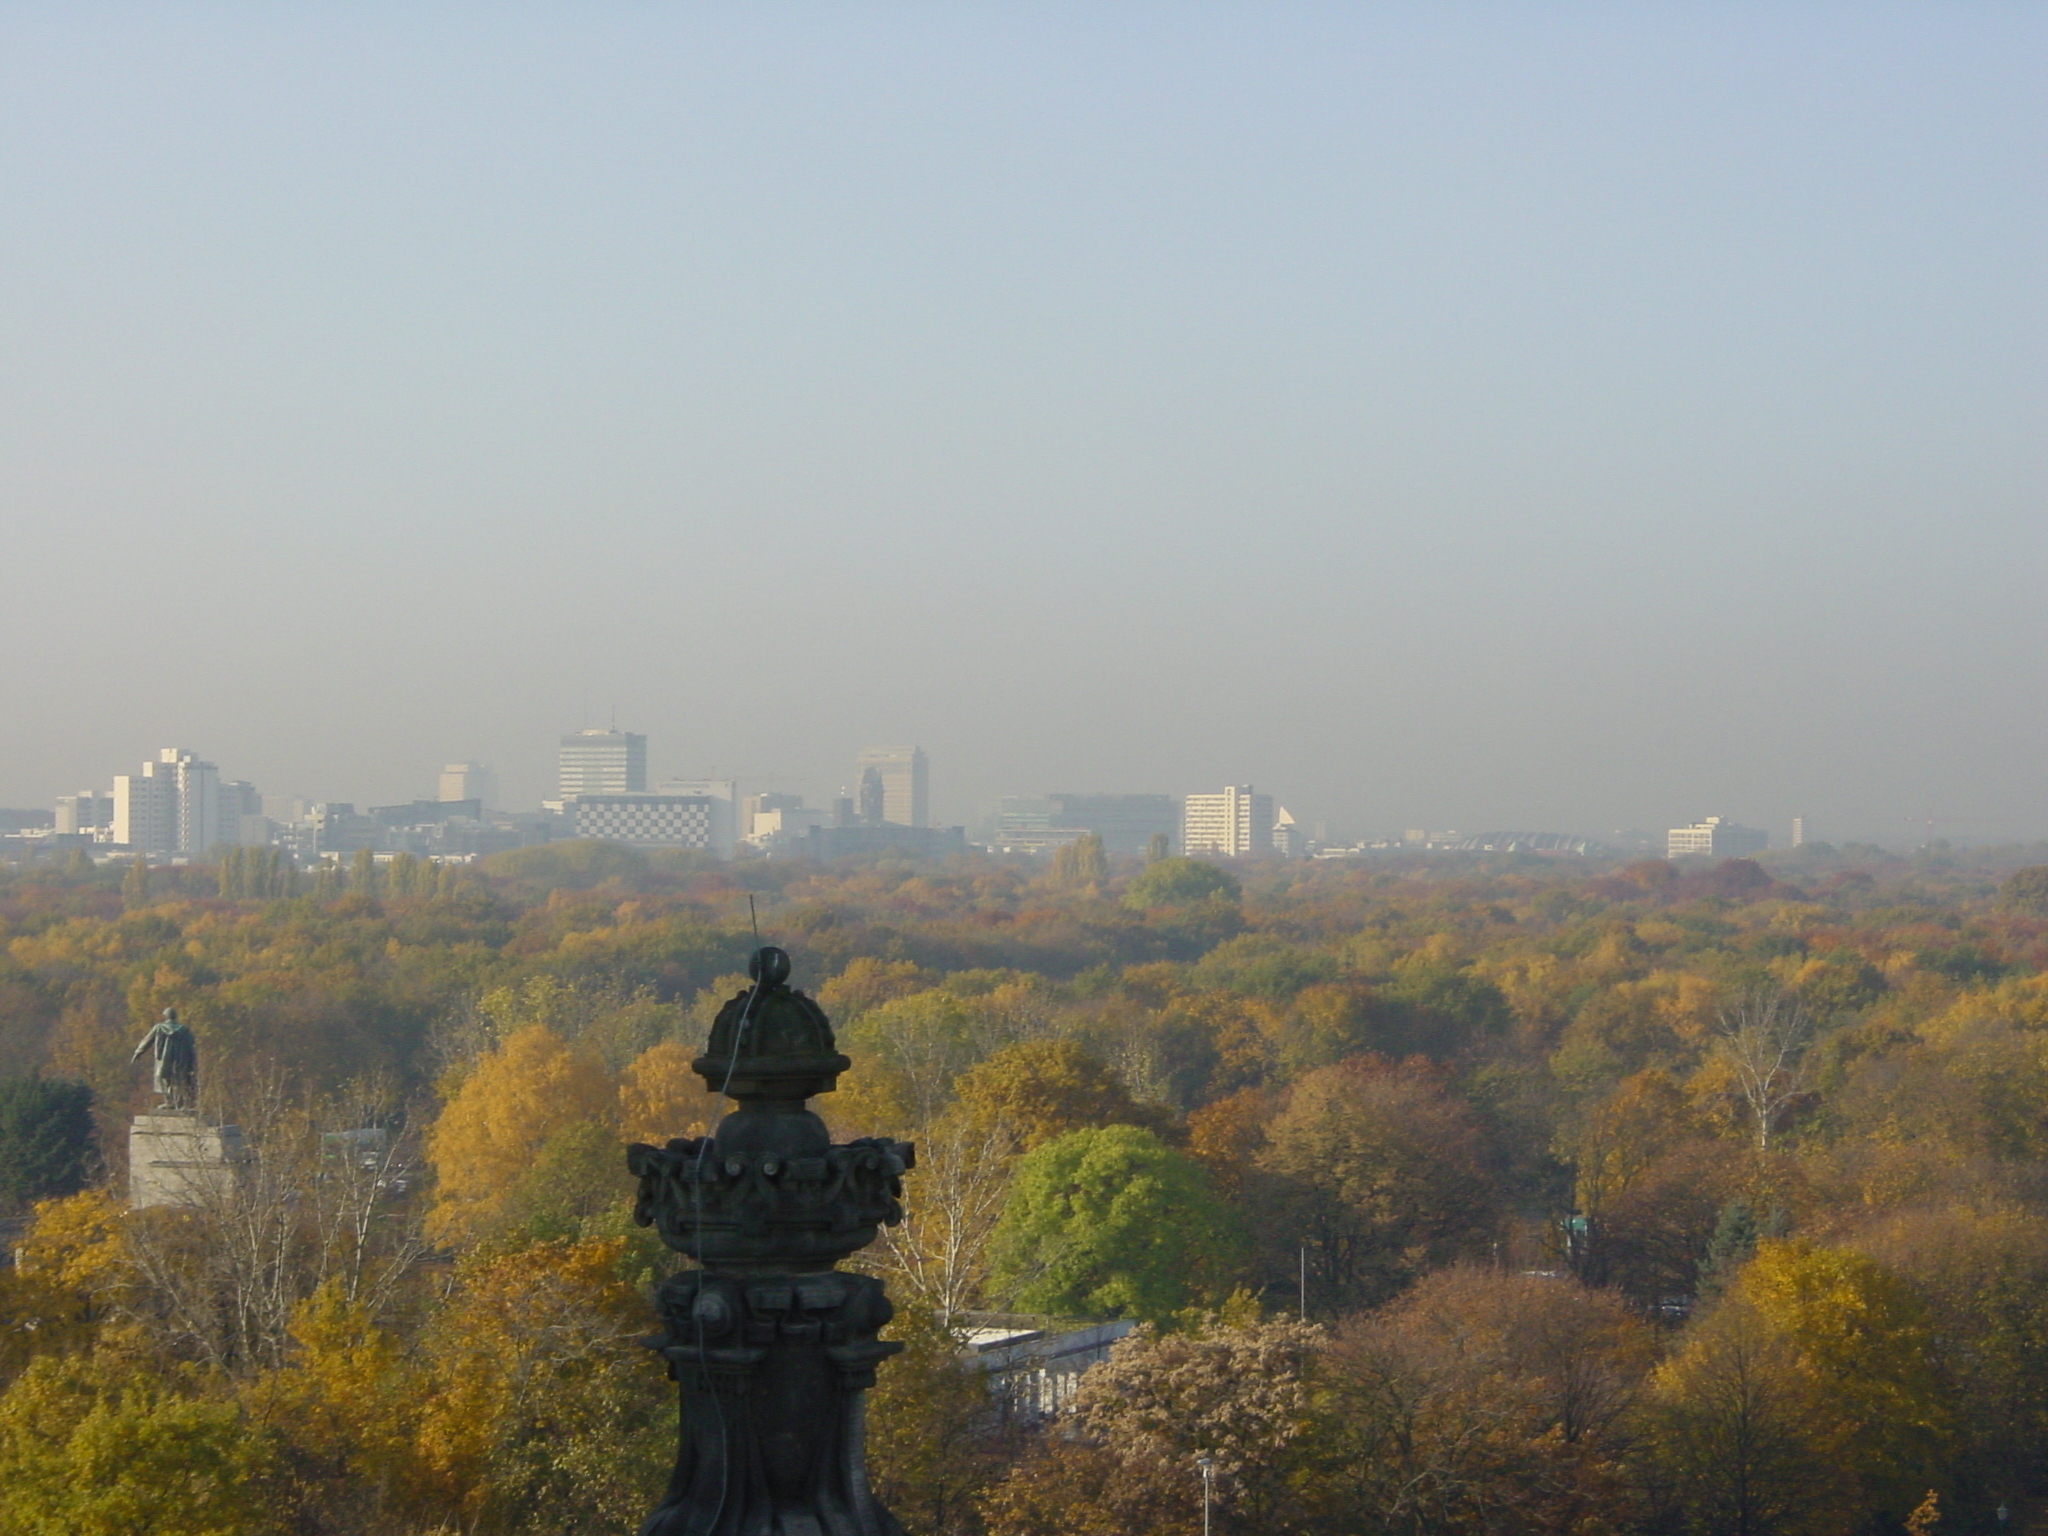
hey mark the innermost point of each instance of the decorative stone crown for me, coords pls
(768, 1190)
(770, 1042)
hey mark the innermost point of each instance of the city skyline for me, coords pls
(610, 765)
(1572, 417)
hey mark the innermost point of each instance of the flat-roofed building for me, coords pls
(648, 821)
(469, 781)
(172, 806)
(1715, 837)
(1125, 823)
(87, 813)
(901, 780)
(602, 763)
(1229, 825)
(724, 794)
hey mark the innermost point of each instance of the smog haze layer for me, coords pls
(1454, 415)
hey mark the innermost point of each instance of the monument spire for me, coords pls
(772, 1347)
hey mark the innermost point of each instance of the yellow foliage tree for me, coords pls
(93, 1448)
(661, 1097)
(1042, 1089)
(537, 1402)
(346, 1408)
(1863, 1332)
(512, 1101)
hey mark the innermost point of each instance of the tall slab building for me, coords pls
(903, 779)
(172, 806)
(603, 763)
(1229, 825)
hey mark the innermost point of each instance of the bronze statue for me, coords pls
(177, 1061)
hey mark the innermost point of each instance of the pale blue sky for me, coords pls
(1496, 415)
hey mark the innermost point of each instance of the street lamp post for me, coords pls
(1208, 1466)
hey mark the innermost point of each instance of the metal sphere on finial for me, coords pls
(769, 966)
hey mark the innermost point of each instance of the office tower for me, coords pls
(904, 783)
(172, 806)
(469, 781)
(603, 763)
(1715, 837)
(1798, 831)
(1229, 825)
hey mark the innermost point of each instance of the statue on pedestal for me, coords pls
(177, 1062)
(772, 1348)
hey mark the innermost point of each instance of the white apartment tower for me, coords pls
(905, 783)
(172, 806)
(1228, 825)
(602, 763)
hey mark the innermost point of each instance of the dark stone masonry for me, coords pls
(771, 1347)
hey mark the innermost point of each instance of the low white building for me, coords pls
(1716, 837)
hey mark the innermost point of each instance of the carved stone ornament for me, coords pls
(770, 1346)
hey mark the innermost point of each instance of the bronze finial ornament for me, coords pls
(771, 1347)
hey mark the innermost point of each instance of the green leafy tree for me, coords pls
(1113, 1221)
(2026, 891)
(1081, 862)
(233, 884)
(1179, 882)
(46, 1139)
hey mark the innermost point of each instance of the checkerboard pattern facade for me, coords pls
(645, 821)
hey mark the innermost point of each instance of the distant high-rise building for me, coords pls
(1229, 825)
(904, 782)
(1716, 838)
(86, 812)
(874, 799)
(602, 763)
(1798, 831)
(175, 806)
(469, 781)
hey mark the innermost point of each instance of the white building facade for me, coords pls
(1714, 837)
(1230, 825)
(601, 763)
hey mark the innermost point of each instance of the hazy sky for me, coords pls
(1543, 415)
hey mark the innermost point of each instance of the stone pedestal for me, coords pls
(177, 1159)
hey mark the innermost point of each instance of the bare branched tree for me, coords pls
(321, 1194)
(1764, 1040)
(939, 1253)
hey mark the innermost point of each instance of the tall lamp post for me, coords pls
(1208, 1466)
